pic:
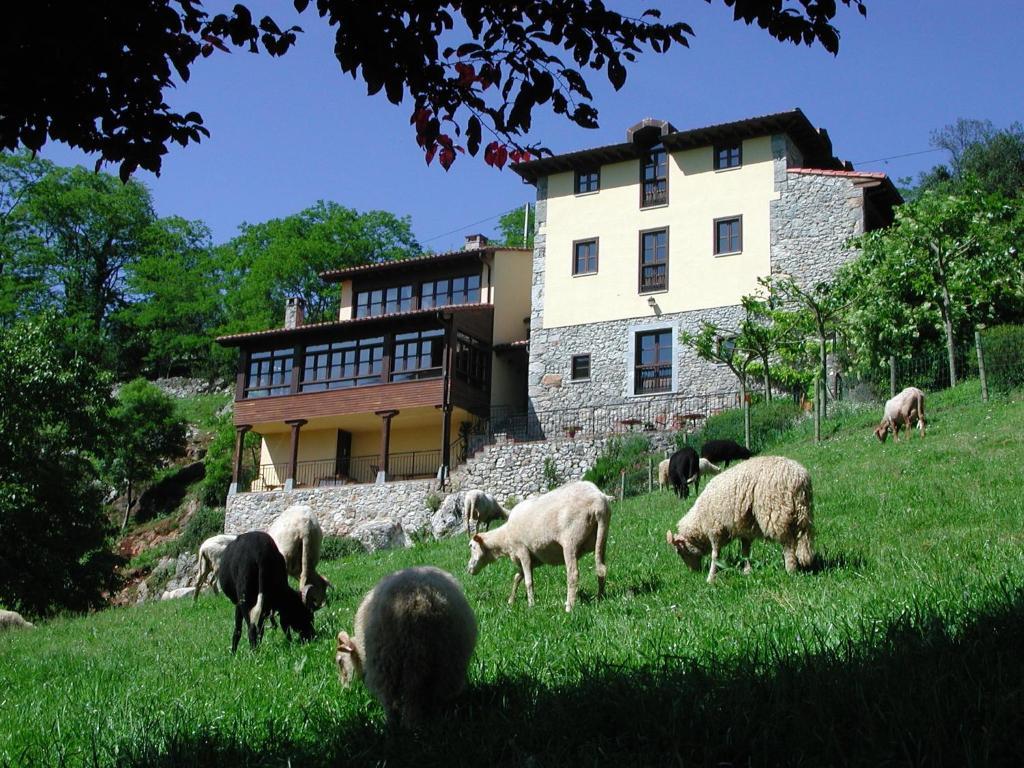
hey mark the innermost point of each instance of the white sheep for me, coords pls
(663, 475)
(414, 635)
(210, 552)
(13, 620)
(480, 508)
(298, 536)
(902, 411)
(559, 527)
(764, 497)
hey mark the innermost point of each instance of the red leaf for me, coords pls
(500, 156)
(446, 158)
(430, 153)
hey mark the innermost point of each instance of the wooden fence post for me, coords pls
(981, 364)
(892, 375)
(817, 409)
(650, 474)
(622, 485)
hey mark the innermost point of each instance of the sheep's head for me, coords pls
(479, 555)
(296, 616)
(689, 550)
(314, 594)
(882, 431)
(350, 663)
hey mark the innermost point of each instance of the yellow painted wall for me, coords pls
(512, 277)
(697, 279)
(347, 298)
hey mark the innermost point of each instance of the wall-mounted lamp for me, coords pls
(653, 304)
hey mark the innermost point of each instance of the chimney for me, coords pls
(294, 311)
(473, 242)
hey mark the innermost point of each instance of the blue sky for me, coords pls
(287, 132)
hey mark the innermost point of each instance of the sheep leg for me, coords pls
(789, 554)
(714, 562)
(572, 579)
(237, 635)
(515, 583)
(204, 570)
(745, 552)
(599, 549)
(528, 578)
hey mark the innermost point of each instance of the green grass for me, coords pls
(201, 410)
(902, 649)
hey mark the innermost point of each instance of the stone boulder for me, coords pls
(450, 517)
(175, 594)
(381, 534)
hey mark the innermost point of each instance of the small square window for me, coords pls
(584, 257)
(587, 181)
(728, 156)
(580, 367)
(728, 235)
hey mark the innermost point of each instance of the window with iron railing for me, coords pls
(654, 261)
(269, 373)
(654, 177)
(418, 355)
(653, 362)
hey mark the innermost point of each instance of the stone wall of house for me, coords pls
(610, 346)
(378, 515)
(812, 223)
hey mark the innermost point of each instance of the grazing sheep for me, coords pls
(767, 497)
(298, 536)
(13, 620)
(481, 507)
(663, 475)
(682, 466)
(414, 634)
(559, 527)
(252, 575)
(724, 451)
(902, 411)
(210, 552)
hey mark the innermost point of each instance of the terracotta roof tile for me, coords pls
(847, 174)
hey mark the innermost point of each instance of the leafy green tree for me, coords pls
(504, 60)
(176, 301)
(949, 261)
(21, 287)
(145, 430)
(980, 157)
(268, 262)
(219, 460)
(90, 228)
(511, 225)
(54, 406)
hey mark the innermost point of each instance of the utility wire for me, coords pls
(466, 226)
(894, 157)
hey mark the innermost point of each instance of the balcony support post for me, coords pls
(385, 443)
(446, 445)
(236, 467)
(296, 425)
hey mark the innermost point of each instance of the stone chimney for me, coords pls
(294, 312)
(473, 242)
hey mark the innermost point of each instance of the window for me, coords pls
(729, 235)
(653, 363)
(654, 178)
(384, 301)
(587, 181)
(456, 290)
(270, 373)
(580, 367)
(584, 257)
(654, 260)
(472, 361)
(418, 355)
(343, 364)
(728, 156)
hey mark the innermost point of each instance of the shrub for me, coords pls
(1002, 347)
(629, 453)
(433, 502)
(206, 522)
(219, 458)
(551, 479)
(767, 422)
(337, 547)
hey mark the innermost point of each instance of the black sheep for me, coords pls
(724, 451)
(683, 467)
(253, 576)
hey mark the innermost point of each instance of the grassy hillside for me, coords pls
(902, 649)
